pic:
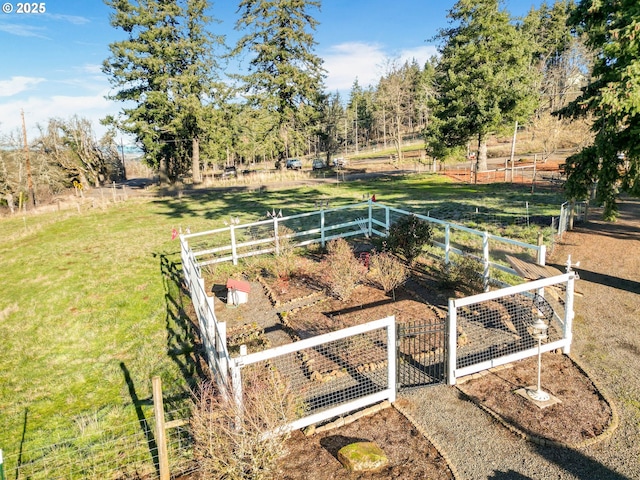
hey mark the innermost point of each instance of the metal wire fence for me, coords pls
(332, 373)
(495, 327)
(127, 451)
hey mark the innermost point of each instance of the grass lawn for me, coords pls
(90, 310)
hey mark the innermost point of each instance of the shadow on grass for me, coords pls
(184, 344)
(142, 420)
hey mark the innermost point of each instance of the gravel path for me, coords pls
(606, 342)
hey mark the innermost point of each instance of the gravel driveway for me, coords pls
(606, 342)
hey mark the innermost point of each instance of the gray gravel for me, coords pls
(606, 342)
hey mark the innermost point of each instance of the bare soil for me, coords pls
(411, 456)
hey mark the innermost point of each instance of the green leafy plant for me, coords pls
(407, 236)
(464, 275)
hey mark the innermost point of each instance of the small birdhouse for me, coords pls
(237, 292)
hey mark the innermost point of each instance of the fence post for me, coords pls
(542, 251)
(236, 383)
(275, 233)
(452, 339)
(161, 439)
(234, 252)
(447, 243)
(567, 332)
(386, 218)
(486, 260)
(322, 238)
(370, 217)
(391, 359)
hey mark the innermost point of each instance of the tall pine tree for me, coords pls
(612, 162)
(285, 76)
(485, 79)
(164, 72)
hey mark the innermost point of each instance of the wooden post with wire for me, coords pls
(161, 437)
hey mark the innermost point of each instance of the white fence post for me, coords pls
(234, 251)
(322, 233)
(370, 227)
(486, 260)
(391, 356)
(452, 339)
(447, 243)
(275, 234)
(236, 383)
(568, 314)
(386, 218)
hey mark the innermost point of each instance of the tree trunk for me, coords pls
(195, 160)
(163, 176)
(482, 153)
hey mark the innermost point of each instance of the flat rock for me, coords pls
(362, 457)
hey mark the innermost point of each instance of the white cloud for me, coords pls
(420, 54)
(38, 110)
(23, 30)
(15, 85)
(347, 61)
(73, 19)
(365, 61)
(92, 68)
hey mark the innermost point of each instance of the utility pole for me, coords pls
(30, 191)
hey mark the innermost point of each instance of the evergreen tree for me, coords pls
(285, 76)
(612, 162)
(484, 78)
(331, 136)
(165, 70)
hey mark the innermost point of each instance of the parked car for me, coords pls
(294, 164)
(318, 164)
(229, 172)
(340, 162)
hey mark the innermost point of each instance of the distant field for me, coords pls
(90, 310)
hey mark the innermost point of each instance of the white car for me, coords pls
(339, 162)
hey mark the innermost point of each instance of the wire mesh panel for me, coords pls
(501, 327)
(128, 451)
(421, 353)
(332, 372)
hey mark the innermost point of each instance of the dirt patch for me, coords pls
(581, 415)
(410, 454)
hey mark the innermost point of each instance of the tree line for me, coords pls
(559, 63)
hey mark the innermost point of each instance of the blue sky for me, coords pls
(50, 62)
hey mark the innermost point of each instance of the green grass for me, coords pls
(90, 309)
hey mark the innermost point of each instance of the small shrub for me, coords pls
(407, 236)
(464, 275)
(241, 444)
(343, 271)
(285, 260)
(387, 271)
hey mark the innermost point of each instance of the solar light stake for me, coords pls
(539, 332)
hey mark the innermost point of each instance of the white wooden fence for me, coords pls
(213, 333)
(370, 218)
(363, 356)
(495, 325)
